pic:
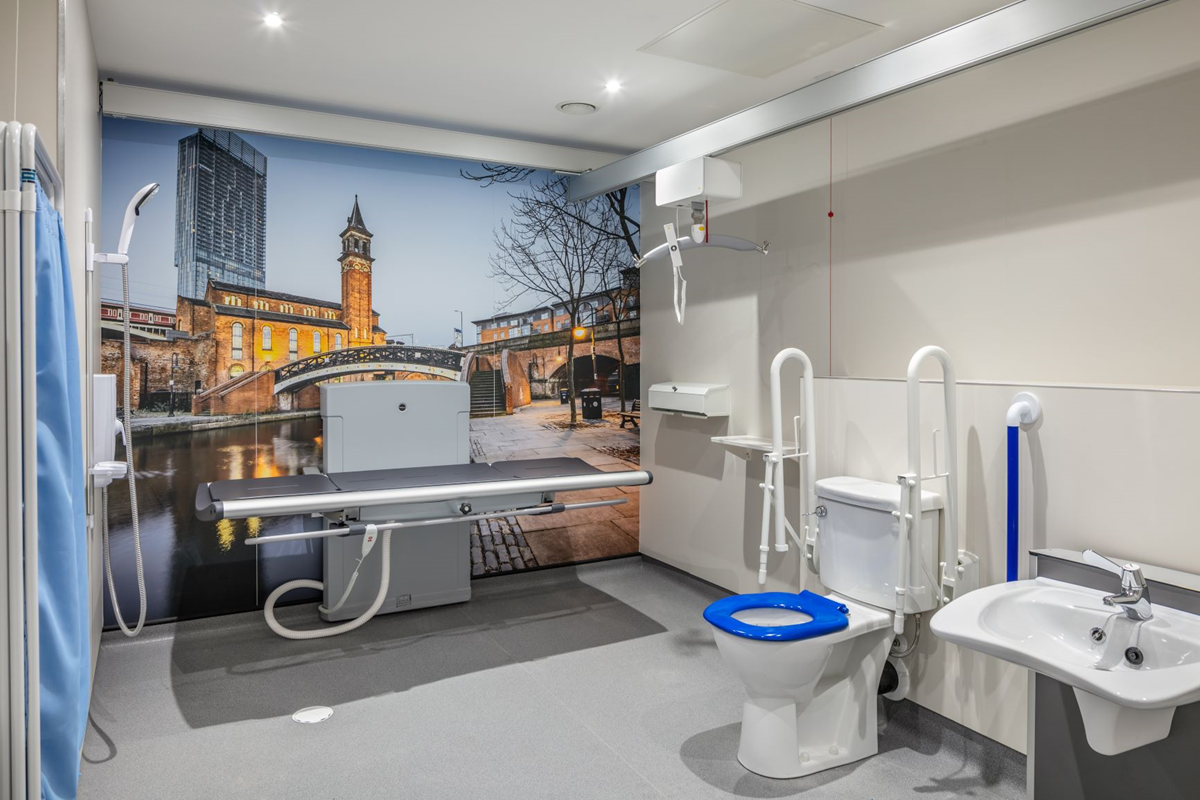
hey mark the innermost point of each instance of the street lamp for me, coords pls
(580, 333)
(171, 385)
(462, 331)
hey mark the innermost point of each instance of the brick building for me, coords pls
(595, 309)
(234, 330)
(144, 319)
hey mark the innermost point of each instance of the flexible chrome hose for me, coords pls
(129, 475)
(345, 627)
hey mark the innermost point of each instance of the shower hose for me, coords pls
(133, 508)
(304, 583)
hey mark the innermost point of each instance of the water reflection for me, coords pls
(194, 568)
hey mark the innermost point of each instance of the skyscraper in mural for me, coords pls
(220, 213)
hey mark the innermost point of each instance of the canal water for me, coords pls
(198, 569)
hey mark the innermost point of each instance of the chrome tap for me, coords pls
(1134, 598)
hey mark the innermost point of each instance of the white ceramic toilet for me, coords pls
(812, 663)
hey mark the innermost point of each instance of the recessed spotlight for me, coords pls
(576, 108)
(273, 20)
(612, 86)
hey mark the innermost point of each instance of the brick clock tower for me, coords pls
(356, 279)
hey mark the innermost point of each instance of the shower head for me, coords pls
(131, 213)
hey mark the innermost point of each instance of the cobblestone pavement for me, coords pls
(539, 431)
(498, 545)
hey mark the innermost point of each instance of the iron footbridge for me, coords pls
(438, 362)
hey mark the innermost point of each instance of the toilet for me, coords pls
(812, 663)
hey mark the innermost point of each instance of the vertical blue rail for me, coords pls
(1014, 503)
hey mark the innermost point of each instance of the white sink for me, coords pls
(1047, 626)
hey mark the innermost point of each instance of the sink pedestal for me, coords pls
(1113, 729)
(1065, 765)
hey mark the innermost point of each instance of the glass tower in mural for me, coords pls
(220, 213)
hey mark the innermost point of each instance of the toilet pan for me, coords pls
(811, 665)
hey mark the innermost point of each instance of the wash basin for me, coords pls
(1128, 675)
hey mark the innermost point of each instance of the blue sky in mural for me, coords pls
(432, 228)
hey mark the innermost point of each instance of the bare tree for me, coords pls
(621, 223)
(621, 288)
(555, 250)
(621, 282)
(498, 173)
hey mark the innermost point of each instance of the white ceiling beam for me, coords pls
(1008, 30)
(137, 102)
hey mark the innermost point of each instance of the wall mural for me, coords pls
(267, 266)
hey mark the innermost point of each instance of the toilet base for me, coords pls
(838, 724)
(770, 743)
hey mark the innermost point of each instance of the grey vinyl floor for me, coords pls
(597, 681)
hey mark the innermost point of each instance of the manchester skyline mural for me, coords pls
(433, 254)
(268, 266)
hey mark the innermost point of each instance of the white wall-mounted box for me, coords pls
(699, 179)
(692, 399)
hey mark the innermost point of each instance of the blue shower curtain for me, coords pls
(62, 548)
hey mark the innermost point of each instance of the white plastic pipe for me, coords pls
(764, 546)
(14, 579)
(33, 690)
(950, 537)
(775, 471)
(904, 521)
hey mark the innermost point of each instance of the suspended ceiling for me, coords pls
(502, 68)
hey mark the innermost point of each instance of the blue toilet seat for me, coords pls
(827, 616)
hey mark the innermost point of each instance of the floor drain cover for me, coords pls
(313, 714)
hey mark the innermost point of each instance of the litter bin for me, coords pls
(591, 404)
(563, 397)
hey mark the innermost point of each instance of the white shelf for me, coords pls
(744, 445)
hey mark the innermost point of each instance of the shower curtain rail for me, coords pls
(25, 162)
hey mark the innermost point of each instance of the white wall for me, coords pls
(36, 96)
(1037, 218)
(29, 30)
(81, 173)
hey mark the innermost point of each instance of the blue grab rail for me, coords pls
(1014, 504)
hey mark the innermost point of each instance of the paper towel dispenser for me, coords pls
(692, 399)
